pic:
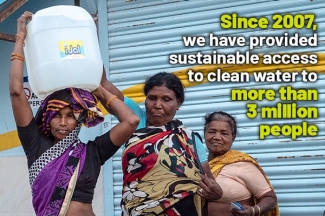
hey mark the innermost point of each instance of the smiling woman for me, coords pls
(63, 123)
(63, 171)
(241, 178)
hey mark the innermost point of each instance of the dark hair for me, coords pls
(171, 81)
(222, 116)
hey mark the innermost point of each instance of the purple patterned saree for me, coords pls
(53, 177)
(54, 174)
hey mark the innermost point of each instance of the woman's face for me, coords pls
(63, 123)
(161, 106)
(218, 138)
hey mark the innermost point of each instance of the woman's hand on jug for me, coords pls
(21, 24)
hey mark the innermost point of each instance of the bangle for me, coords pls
(21, 38)
(110, 100)
(17, 56)
(253, 211)
(259, 210)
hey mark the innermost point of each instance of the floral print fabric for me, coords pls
(160, 169)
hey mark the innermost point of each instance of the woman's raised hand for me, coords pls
(21, 24)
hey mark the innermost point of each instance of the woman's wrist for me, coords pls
(20, 36)
(258, 210)
(253, 210)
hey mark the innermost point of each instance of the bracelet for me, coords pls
(253, 211)
(259, 210)
(21, 38)
(110, 100)
(17, 56)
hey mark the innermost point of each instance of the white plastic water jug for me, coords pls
(62, 50)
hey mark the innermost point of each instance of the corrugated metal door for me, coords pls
(142, 35)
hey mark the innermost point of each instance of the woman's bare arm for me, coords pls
(21, 109)
(266, 202)
(128, 120)
(112, 89)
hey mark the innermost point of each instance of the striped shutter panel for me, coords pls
(141, 36)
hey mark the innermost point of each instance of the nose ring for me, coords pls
(216, 138)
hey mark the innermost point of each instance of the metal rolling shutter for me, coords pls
(143, 33)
